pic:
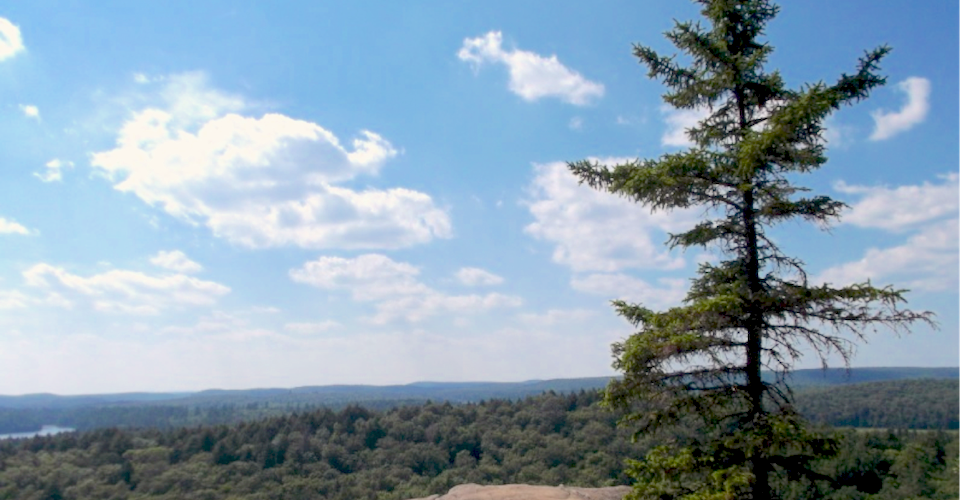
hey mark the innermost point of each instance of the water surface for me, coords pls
(46, 430)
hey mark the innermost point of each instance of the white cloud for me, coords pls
(576, 123)
(928, 259)
(175, 260)
(367, 277)
(926, 262)
(265, 310)
(902, 207)
(11, 43)
(394, 287)
(532, 76)
(668, 292)
(124, 291)
(419, 307)
(556, 317)
(363, 357)
(678, 121)
(14, 299)
(837, 134)
(891, 123)
(262, 182)
(472, 276)
(30, 111)
(53, 171)
(311, 328)
(8, 226)
(214, 322)
(595, 230)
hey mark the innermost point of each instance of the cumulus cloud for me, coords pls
(53, 171)
(890, 123)
(902, 207)
(11, 43)
(667, 292)
(123, 291)
(175, 260)
(8, 226)
(30, 111)
(678, 122)
(472, 276)
(262, 182)
(394, 287)
(597, 231)
(532, 76)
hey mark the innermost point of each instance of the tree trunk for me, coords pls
(754, 324)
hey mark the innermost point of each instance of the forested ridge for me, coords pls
(907, 404)
(914, 404)
(417, 450)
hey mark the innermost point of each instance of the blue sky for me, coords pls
(252, 194)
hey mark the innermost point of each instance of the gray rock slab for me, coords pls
(530, 492)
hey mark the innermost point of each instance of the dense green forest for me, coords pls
(914, 404)
(417, 450)
(907, 404)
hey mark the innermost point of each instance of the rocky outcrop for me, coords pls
(528, 492)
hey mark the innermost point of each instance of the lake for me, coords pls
(46, 430)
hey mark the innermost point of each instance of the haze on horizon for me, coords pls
(238, 195)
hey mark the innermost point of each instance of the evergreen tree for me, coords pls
(700, 363)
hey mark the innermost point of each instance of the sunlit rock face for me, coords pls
(528, 492)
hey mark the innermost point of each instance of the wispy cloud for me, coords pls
(473, 276)
(667, 292)
(556, 317)
(175, 260)
(311, 328)
(891, 123)
(532, 76)
(394, 287)
(53, 171)
(124, 291)
(902, 207)
(928, 259)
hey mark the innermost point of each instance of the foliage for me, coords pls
(415, 451)
(755, 308)
(356, 453)
(901, 404)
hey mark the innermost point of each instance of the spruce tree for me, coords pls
(698, 366)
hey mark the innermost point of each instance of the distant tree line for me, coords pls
(417, 450)
(900, 404)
